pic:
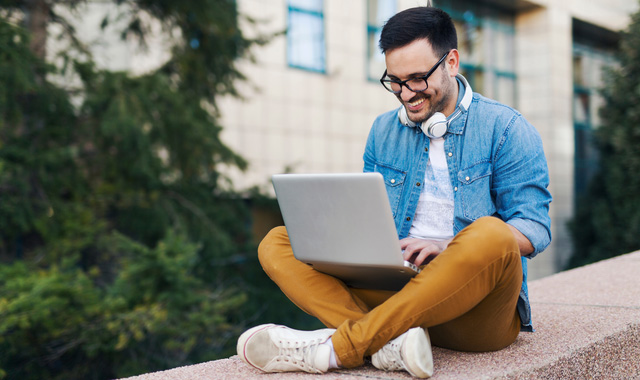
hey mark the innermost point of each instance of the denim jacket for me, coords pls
(496, 166)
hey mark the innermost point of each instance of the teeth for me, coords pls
(417, 102)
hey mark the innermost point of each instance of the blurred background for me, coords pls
(138, 138)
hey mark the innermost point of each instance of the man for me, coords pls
(467, 182)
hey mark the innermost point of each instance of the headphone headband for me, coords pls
(465, 103)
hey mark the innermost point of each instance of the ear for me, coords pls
(453, 62)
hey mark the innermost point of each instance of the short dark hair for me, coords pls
(412, 24)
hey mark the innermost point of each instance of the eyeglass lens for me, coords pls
(418, 84)
(415, 85)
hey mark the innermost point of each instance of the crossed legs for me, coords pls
(466, 297)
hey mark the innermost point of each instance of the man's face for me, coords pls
(415, 60)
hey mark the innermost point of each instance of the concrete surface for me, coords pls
(587, 324)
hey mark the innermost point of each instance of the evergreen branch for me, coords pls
(184, 202)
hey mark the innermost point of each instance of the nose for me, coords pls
(406, 94)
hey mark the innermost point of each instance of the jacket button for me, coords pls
(393, 181)
(408, 218)
(450, 154)
(455, 188)
(418, 184)
(466, 178)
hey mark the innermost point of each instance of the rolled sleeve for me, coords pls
(520, 184)
(538, 234)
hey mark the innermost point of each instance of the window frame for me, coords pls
(293, 9)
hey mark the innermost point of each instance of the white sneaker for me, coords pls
(275, 348)
(410, 351)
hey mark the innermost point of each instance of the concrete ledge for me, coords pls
(587, 324)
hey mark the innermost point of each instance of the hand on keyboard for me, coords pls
(421, 251)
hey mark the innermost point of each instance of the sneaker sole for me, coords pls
(416, 352)
(244, 338)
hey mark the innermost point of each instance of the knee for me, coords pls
(488, 239)
(268, 250)
(495, 232)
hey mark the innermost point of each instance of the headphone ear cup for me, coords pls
(436, 126)
(404, 118)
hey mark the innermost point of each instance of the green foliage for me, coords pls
(156, 313)
(607, 220)
(120, 251)
(36, 328)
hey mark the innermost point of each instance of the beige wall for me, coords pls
(312, 122)
(545, 93)
(305, 121)
(545, 90)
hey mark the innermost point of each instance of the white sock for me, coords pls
(333, 363)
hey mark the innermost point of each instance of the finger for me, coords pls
(404, 243)
(424, 255)
(408, 253)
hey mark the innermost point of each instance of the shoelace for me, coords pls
(389, 357)
(299, 353)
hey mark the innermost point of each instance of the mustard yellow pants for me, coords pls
(466, 297)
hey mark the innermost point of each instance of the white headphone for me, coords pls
(437, 125)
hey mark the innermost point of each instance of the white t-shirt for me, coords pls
(434, 214)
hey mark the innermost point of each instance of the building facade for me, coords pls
(313, 92)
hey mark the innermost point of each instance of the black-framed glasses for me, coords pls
(417, 84)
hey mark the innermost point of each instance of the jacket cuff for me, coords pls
(538, 235)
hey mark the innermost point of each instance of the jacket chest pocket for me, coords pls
(475, 191)
(393, 181)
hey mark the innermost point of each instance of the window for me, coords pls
(588, 67)
(305, 35)
(486, 41)
(378, 12)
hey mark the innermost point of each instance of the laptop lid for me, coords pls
(342, 225)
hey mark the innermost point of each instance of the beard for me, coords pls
(437, 106)
(434, 103)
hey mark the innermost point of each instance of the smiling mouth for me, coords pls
(416, 103)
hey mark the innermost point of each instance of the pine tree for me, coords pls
(607, 219)
(119, 246)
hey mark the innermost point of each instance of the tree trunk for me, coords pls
(37, 20)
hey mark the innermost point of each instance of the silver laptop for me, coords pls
(341, 224)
